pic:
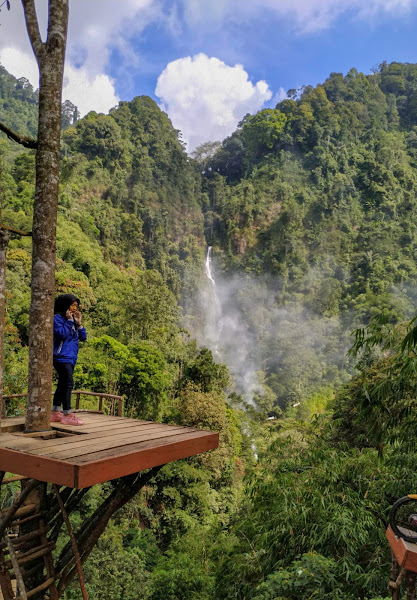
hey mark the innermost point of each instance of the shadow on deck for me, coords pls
(104, 448)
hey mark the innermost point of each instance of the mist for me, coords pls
(289, 348)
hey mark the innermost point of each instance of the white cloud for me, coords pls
(205, 98)
(95, 28)
(88, 92)
(20, 64)
(280, 95)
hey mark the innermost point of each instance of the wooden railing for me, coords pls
(78, 393)
(100, 396)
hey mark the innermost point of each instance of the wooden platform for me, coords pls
(102, 449)
(404, 552)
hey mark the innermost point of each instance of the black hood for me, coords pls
(63, 302)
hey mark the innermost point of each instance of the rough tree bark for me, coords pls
(4, 240)
(411, 586)
(50, 56)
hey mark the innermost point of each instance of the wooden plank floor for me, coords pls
(102, 449)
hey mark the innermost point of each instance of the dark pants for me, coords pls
(62, 396)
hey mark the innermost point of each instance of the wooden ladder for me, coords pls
(20, 555)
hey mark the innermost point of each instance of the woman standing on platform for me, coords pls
(67, 331)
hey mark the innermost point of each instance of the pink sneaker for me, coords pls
(71, 419)
(56, 416)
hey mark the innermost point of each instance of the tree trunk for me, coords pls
(4, 240)
(51, 57)
(411, 586)
(395, 572)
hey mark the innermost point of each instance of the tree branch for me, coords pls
(14, 230)
(27, 142)
(32, 27)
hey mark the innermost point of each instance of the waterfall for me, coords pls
(208, 268)
(214, 317)
(232, 348)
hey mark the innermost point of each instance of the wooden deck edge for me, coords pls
(109, 468)
(38, 467)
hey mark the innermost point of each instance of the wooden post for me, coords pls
(100, 403)
(4, 241)
(120, 407)
(5, 583)
(16, 568)
(77, 400)
(73, 543)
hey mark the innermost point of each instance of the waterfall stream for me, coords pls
(214, 318)
(227, 336)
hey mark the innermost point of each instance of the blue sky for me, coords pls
(184, 53)
(271, 47)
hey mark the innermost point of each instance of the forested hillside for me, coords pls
(311, 211)
(314, 201)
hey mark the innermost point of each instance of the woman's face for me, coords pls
(74, 307)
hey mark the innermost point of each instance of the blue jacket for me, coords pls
(66, 336)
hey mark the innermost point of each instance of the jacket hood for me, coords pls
(63, 302)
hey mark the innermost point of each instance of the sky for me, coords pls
(207, 63)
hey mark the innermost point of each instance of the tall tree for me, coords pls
(50, 56)
(4, 240)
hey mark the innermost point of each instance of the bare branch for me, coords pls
(32, 27)
(27, 142)
(14, 230)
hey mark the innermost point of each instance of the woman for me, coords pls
(67, 331)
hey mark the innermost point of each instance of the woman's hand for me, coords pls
(69, 314)
(77, 318)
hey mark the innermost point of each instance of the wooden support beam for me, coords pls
(73, 544)
(40, 588)
(12, 479)
(14, 562)
(24, 510)
(32, 554)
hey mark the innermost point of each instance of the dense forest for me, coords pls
(311, 211)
